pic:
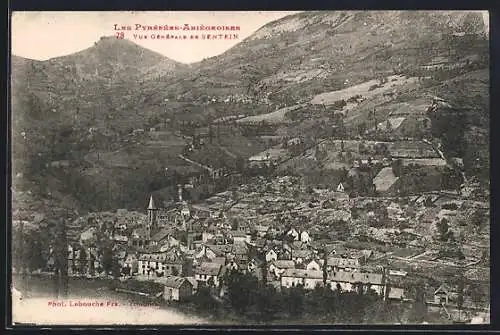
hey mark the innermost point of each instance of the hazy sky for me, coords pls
(44, 35)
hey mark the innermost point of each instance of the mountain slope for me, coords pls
(106, 74)
(73, 107)
(63, 107)
(312, 52)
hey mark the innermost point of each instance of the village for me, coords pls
(376, 212)
(288, 234)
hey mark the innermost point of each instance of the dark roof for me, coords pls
(301, 253)
(239, 249)
(161, 235)
(141, 232)
(298, 245)
(301, 273)
(342, 262)
(355, 277)
(208, 268)
(220, 250)
(174, 255)
(284, 264)
(219, 260)
(151, 249)
(237, 233)
(157, 256)
(443, 288)
(172, 281)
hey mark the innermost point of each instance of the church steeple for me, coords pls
(152, 205)
(151, 225)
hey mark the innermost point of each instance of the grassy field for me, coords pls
(273, 117)
(367, 90)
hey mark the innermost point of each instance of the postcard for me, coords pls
(249, 168)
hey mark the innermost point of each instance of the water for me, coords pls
(89, 302)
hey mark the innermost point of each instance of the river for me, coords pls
(89, 302)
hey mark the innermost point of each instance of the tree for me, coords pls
(109, 262)
(92, 268)
(443, 230)
(361, 128)
(388, 126)
(34, 259)
(397, 167)
(316, 301)
(325, 267)
(460, 296)
(204, 300)
(476, 294)
(83, 260)
(61, 257)
(240, 289)
(234, 224)
(418, 311)
(267, 303)
(478, 219)
(254, 234)
(295, 301)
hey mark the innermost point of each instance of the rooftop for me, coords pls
(284, 264)
(355, 277)
(208, 268)
(172, 281)
(300, 273)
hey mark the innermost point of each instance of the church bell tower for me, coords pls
(152, 220)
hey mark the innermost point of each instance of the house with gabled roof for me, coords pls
(351, 281)
(175, 288)
(262, 230)
(279, 266)
(208, 273)
(161, 235)
(205, 252)
(150, 263)
(239, 236)
(305, 238)
(342, 264)
(443, 294)
(340, 188)
(301, 256)
(174, 262)
(271, 255)
(308, 278)
(313, 265)
(292, 232)
(131, 262)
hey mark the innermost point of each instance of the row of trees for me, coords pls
(247, 298)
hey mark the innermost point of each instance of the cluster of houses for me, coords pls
(262, 230)
(174, 249)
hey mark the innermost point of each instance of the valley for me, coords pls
(350, 126)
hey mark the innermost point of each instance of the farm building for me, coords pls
(175, 288)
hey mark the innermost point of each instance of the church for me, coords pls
(166, 227)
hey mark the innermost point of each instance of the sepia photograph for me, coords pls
(244, 168)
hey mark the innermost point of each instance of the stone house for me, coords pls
(308, 278)
(175, 288)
